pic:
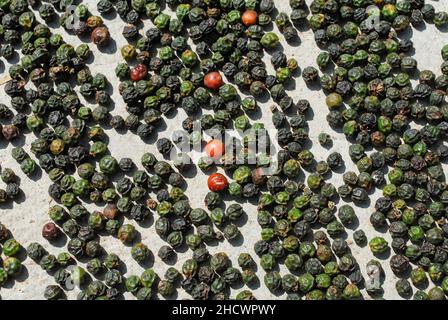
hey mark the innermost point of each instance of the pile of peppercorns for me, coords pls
(370, 98)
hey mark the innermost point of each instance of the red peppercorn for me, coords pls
(258, 176)
(10, 131)
(217, 182)
(249, 18)
(50, 231)
(139, 72)
(110, 211)
(213, 80)
(151, 204)
(100, 36)
(215, 148)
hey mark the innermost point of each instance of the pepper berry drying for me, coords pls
(139, 72)
(215, 149)
(213, 80)
(217, 182)
(249, 18)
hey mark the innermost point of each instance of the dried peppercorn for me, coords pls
(11, 247)
(50, 231)
(140, 252)
(217, 182)
(100, 36)
(126, 233)
(378, 245)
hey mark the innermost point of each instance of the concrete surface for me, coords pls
(26, 217)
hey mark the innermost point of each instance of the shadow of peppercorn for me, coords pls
(190, 173)
(237, 284)
(423, 286)
(290, 85)
(352, 226)
(270, 26)
(172, 260)
(383, 229)
(86, 37)
(101, 275)
(214, 242)
(171, 114)
(21, 255)
(182, 248)
(343, 235)
(111, 15)
(414, 75)
(121, 131)
(60, 242)
(327, 175)
(295, 41)
(54, 24)
(146, 223)
(20, 140)
(36, 175)
(404, 275)
(420, 27)
(122, 267)
(340, 170)
(254, 200)
(6, 205)
(4, 144)
(263, 98)
(149, 262)
(329, 68)
(255, 284)
(308, 168)
(302, 26)
(383, 256)
(14, 59)
(20, 198)
(154, 136)
(278, 48)
(137, 239)
(277, 292)
(314, 86)
(90, 59)
(361, 244)
(407, 295)
(173, 296)
(361, 284)
(363, 204)
(243, 219)
(21, 277)
(121, 288)
(86, 281)
(111, 47)
(110, 90)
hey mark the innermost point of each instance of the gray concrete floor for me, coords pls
(26, 217)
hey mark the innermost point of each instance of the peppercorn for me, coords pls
(126, 233)
(50, 231)
(140, 252)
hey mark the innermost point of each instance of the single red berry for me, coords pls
(50, 231)
(139, 72)
(215, 149)
(100, 36)
(217, 182)
(213, 80)
(249, 18)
